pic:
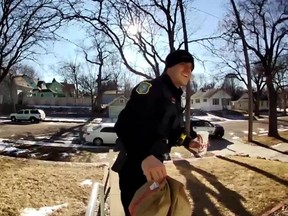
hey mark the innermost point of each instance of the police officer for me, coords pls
(151, 123)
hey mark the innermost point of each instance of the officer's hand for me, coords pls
(153, 169)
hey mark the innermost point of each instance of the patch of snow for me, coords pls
(42, 137)
(231, 133)
(26, 142)
(10, 149)
(103, 156)
(235, 137)
(263, 131)
(283, 129)
(22, 151)
(33, 155)
(65, 154)
(87, 182)
(44, 211)
(44, 155)
(263, 134)
(246, 132)
(12, 135)
(79, 120)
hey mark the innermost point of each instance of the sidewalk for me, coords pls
(116, 208)
(238, 148)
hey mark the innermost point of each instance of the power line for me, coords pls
(206, 13)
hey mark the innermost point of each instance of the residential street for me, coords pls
(235, 130)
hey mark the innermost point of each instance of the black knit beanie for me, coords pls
(177, 57)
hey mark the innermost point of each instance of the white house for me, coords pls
(242, 103)
(211, 100)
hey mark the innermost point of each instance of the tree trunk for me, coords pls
(256, 105)
(188, 87)
(248, 70)
(284, 100)
(272, 132)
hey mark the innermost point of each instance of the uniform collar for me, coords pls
(167, 80)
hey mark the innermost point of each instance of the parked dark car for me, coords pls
(214, 130)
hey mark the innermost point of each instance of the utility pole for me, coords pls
(248, 69)
(188, 87)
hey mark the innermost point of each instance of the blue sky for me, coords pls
(207, 14)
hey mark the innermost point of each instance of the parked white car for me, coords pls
(100, 134)
(32, 115)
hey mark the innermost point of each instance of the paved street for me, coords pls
(234, 130)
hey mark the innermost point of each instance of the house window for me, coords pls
(262, 103)
(215, 101)
(197, 100)
(41, 95)
(226, 101)
(121, 101)
(204, 100)
(191, 101)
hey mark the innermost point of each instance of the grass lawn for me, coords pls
(232, 185)
(269, 141)
(34, 184)
(215, 186)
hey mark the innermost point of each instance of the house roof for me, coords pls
(204, 93)
(19, 80)
(121, 96)
(106, 99)
(246, 97)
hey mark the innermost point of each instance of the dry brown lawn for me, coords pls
(233, 185)
(34, 184)
(270, 141)
(215, 186)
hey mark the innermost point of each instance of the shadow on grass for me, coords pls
(255, 169)
(201, 194)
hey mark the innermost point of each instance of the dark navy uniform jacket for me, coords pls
(152, 121)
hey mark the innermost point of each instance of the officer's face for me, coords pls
(180, 74)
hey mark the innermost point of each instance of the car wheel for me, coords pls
(13, 119)
(98, 141)
(219, 135)
(32, 120)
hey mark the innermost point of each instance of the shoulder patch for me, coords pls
(143, 88)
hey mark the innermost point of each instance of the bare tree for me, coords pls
(259, 80)
(71, 72)
(24, 26)
(281, 81)
(264, 24)
(23, 69)
(98, 60)
(231, 86)
(88, 84)
(135, 26)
